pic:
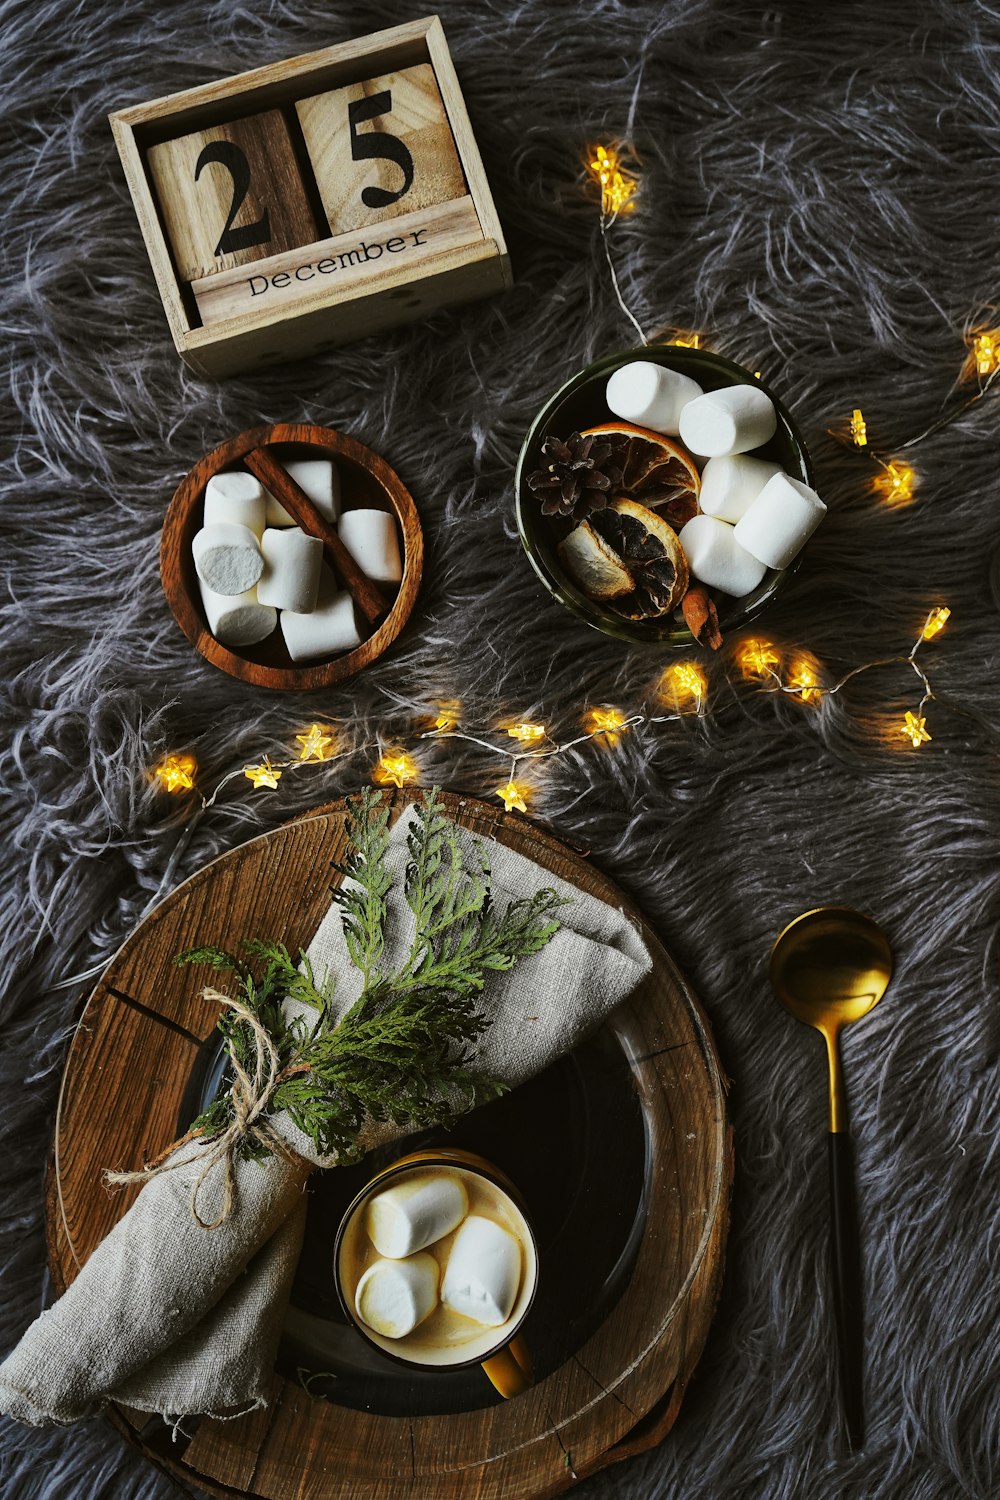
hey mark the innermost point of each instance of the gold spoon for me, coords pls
(831, 967)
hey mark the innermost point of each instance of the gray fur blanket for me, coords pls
(820, 196)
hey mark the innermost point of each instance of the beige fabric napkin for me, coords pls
(171, 1318)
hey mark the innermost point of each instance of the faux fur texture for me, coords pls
(819, 193)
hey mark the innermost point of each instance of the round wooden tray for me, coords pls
(130, 1062)
(367, 481)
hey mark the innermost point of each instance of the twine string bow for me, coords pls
(251, 1095)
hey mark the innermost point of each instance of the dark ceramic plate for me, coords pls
(580, 404)
(583, 1113)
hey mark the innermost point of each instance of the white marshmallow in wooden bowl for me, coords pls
(237, 497)
(372, 539)
(292, 563)
(227, 557)
(716, 558)
(650, 395)
(733, 419)
(319, 479)
(780, 521)
(730, 484)
(237, 619)
(328, 630)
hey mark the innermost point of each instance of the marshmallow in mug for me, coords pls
(292, 563)
(716, 558)
(319, 480)
(328, 630)
(650, 395)
(483, 1274)
(371, 538)
(227, 557)
(730, 485)
(732, 419)
(780, 521)
(415, 1212)
(237, 619)
(237, 497)
(393, 1296)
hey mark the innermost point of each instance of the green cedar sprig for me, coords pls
(405, 1050)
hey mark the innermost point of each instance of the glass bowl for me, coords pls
(580, 404)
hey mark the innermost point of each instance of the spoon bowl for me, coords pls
(831, 967)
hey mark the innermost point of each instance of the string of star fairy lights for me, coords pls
(896, 479)
(682, 688)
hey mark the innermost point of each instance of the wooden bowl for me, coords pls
(367, 482)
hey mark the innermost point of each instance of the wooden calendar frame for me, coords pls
(332, 314)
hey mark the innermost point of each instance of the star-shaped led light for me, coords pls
(176, 773)
(986, 351)
(683, 685)
(859, 428)
(895, 483)
(618, 185)
(446, 718)
(263, 775)
(804, 682)
(526, 733)
(913, 726)
(395, 768)
(607, 721)
(935, 622)
(317, 743)
(757, 658)
(512, 796)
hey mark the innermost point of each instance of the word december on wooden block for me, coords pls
(351, 259)
(231, 194)
(373, 133)
(381, 148)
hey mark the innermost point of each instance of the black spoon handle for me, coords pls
(847, 1283)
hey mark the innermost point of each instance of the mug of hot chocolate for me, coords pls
(436, 1265)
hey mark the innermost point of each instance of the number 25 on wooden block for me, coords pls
(231, 194)
(381, 148)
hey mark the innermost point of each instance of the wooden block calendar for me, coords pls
(313, 201)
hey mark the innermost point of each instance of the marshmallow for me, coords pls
(237, 619)
(371, 538)
(729, 485)
(237, 497)
(328, 630)
(731, 420)
(320, 481)
(650, 395)
(415, 1212)
(716, 557)
(227, 558)
(780, 521)
(483, 1273)
(292, 563)
(393, 1296)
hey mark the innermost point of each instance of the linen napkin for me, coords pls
(169, 1317)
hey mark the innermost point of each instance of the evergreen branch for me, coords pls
(405, 1051)
(362, 897)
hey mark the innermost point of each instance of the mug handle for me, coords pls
(512, 1370)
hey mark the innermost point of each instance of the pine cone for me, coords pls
(578, 479)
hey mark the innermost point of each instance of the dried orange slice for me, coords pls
(656, 472)
(627, 556)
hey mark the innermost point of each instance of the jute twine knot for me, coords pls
(250, 1096)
